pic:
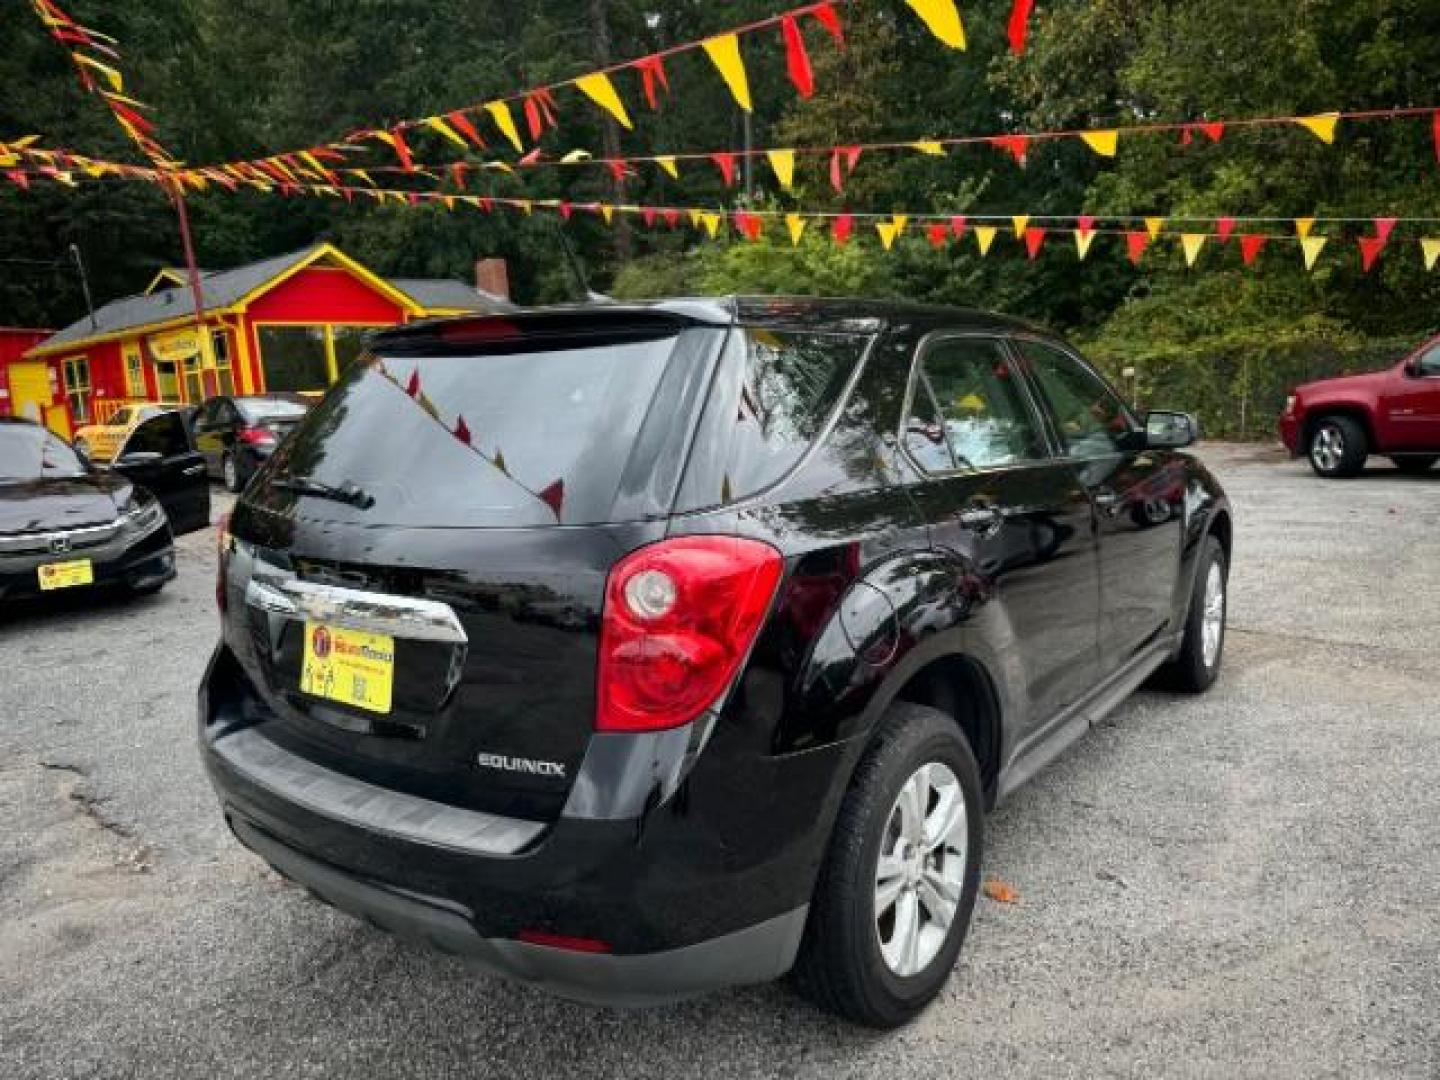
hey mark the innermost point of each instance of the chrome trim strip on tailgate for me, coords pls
(363, 805)
(377, 613)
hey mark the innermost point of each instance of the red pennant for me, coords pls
(1384, 226)
(413, 198)
(1187, 136)
(540, 112)
(1017, 146)
(1369, 251)
(487, 204)
(797, 60)
(1136, 241)
(413, 386)
(671, 216)
(531, 158)
(957, 225)
(845, 156)
(462, 431)
(457, 174)
(652, 74)
(565, 209)
(461, 123)
(751, 225)
(827, 18)
(1250, 248)
(1212, 130)
(1224, 227)
(647, 215)
(617, 169)
(18, 178)
(843, 227)
(1435, 127)
(554, 496)
(1019, 24)
(936, 234)
(726, 164)
(532, 118)
(402, 151)
(1033, 239)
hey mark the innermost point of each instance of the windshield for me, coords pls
(255, 409)
(29, 452)
(537, 435)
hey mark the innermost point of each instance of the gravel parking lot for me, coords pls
(1246, 883)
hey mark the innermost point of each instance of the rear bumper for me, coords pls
(675, 902)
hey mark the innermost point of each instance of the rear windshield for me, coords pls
(534, 437)
(29, 452)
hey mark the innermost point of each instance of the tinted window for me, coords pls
(969, 410)
(1429, 361)
(30, 452)
(535, 436)
(164, 434)
(1092, 420)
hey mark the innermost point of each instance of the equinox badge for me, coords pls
(520, 764)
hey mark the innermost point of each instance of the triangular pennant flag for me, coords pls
(607, 212)
(1021, 222)
(1384, 226)
(886, 229)
(599, 89)
(1083, 239)
(899, 221)
(437, 123)
(1017, 146)
(1103, 143)
(1303, 225)
(1310, 248)
(671, 216)
(711, 221)
(1430, 249)
(500, 113)
(724, 53)
(647, 215)
(574, 156)
(837, 179)
(1033, 239)
(499, 461)
(943, 19)
(749, 225)
(797, 60)
(984, 237)
(1191, 243)
(565, 210)
(826, 16)
(1250, 246)
(1136, 242)
(1321, 125)
(795, 223)
(1369, 251)
(1019, 25)
(652, 75)
(462, 124)
(929, 146)
(553, 497)
(1213, 130)
(696, 217)
(667, 162)
(726, 164)
(1223, 228)
(842, 228)
(957, 225)
(1153, 225)
(936, 234)
(782, 163)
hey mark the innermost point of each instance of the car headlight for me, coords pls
(143, 517)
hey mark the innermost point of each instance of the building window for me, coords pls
(294, 357)
(349, 341)
(77, 388)
(220, 346)
(134, 371)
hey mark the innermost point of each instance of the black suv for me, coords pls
(637, 650)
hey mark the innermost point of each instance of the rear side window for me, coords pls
(529, 434)
(775, 392)
(164, 434)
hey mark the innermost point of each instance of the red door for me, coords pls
(1411, 402)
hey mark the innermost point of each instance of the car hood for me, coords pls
(1367, 380)
(65, 503)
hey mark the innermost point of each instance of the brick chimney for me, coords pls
(492, 276)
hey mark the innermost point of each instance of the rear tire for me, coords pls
(1196, 667)
(1415, 464)
(883, 937)
(1338, 447)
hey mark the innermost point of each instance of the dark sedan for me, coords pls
(237, 434)
(67, 525)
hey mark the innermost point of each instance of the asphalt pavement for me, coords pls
(1242, 884)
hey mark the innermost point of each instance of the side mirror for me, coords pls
(1411, 369)
(1170, 430)
(138, 458)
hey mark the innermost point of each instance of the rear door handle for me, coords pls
(984, 520)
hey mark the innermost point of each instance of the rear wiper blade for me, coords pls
(348, 492)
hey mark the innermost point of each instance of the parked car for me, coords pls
(101, 441)
(237, 434)
(1337, 423)
(638, 650)
(67, 525)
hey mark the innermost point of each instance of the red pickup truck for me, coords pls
(1337, 423)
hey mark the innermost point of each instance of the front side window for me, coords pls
(1429, 362)
(164, 435)
(1093, 421)
(968, 409)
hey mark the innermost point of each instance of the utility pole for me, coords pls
(84, 284)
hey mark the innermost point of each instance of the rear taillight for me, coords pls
(679, 618)
(255, 436)
(222, 562)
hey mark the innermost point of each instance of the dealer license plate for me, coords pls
(348, 666)
(66, 575)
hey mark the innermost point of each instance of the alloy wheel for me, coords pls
(1328, 448)
(920, 874)
(1212, 619)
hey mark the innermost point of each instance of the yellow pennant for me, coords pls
(500, 112)
(943, 19)
(796, 224)
(599, 89)
(711, 222)
(1310, 247)
(886, 229)
(667, 162)
(524, 205)
(498, 166)
(696, 217)
(782, 162)
(929, 146)
(1322, 125)
(363, 175)
(1021, 222)
(724, 53)
(437, 123)
(1083, 239)
(314, 162)
(1430, 251)
(117, 84)
(575, 156)
(1303, 225)
(1103, 143)
(1192, 243)
(984, 237)
(898, 222)
(607, 212)
(1153, 225)
(449, 201)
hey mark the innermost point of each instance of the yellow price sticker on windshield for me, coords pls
(348, 666)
